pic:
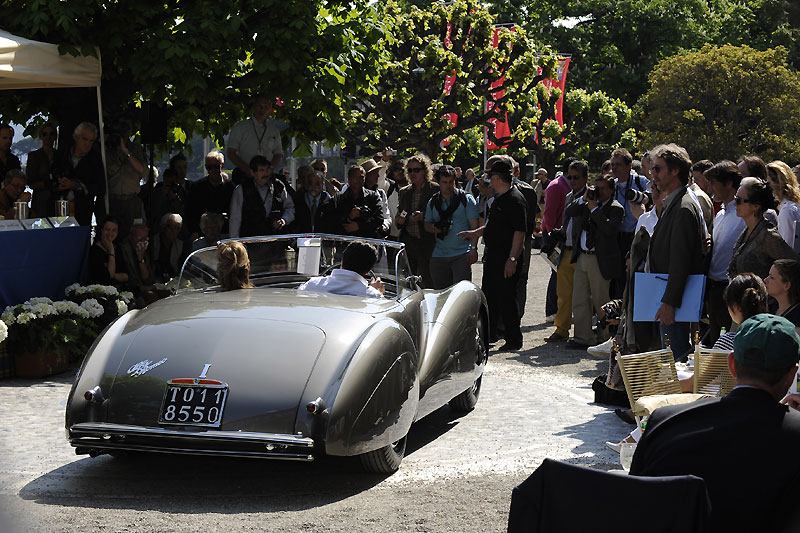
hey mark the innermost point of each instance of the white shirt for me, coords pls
(787, 218)
(727, 228)
(647, 221)
(249, 138)
(341, 281)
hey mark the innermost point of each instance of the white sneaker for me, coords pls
(550, 318)
(613, 446)
(601, 350)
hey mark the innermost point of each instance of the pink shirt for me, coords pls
(554, 198)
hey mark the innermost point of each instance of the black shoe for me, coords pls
(625, 415)
(510, 346)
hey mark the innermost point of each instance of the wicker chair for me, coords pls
(711, 373)
(651, 381)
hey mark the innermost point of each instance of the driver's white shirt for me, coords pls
(341, 281)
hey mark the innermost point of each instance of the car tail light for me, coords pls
(94, 395)
(315, 407)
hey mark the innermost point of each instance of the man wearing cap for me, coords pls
(745, 445)
(504, 234)
(372, 180)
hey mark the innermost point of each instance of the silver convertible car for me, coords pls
(280, 373)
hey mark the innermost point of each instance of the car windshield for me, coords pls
(289, 260)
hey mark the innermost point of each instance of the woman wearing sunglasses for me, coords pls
(760, 244)
(40, 164)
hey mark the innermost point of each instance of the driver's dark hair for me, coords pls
(359, 257)
(259, 161)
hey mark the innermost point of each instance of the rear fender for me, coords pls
(99, 368)
(377, 400)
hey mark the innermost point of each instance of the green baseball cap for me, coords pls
(766, 341)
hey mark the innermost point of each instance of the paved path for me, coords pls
(534, 404)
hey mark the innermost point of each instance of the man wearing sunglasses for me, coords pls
(676, 248)
(210, 194)
(577, 175)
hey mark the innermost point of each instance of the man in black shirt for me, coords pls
(504, 235)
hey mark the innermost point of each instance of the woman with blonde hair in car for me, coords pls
(784, 185)
(233, 266)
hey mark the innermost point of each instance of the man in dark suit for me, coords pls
(595, 223)
(310, 205)
(677, 245)
(743, 445)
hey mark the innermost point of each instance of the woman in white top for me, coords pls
(784, 186)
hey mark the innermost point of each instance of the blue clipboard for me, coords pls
(649, 289)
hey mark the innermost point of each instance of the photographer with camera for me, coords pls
(449, 212)
(126, 166)
(630, 187)
(596, 256)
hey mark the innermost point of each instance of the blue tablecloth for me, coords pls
(41, 262)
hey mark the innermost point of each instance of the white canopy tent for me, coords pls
(27, 64)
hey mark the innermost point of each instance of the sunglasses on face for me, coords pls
(573, 178)
(414, 170)
(48, 134)
(213, 166)
(319, 169)
(739, 200)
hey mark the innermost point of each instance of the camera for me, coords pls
(444, 226)
(591, 193)
(639, 197)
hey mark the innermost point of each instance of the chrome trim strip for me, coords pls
(83, 447)
(241, 436)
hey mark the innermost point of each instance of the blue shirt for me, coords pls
(727, 228)
(629, 222)
(453, 245)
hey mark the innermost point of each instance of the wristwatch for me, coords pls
(512, 259)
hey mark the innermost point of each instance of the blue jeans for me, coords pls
(678, 334)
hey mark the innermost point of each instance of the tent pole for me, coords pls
(102, 143)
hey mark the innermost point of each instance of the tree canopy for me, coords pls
(206, 59)
(722, 102)
(616, 43)
(424, 46)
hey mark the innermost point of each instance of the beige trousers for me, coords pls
(589, 292)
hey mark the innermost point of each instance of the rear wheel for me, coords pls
(465, 402)
(385, 460)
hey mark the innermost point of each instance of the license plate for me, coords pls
(199, 403)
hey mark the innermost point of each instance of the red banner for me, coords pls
(499, 127)
(559, 81)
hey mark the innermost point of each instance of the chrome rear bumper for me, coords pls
(96, 438)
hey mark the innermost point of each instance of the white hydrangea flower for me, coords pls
(40, 300)
(93, 307)
(43, 309)
(121, 308)
(3, 331)
(8, 317)
(24, 318)
(80, 311)
(126, 296)
(72, 289)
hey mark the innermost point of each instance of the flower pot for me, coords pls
(38, 364)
